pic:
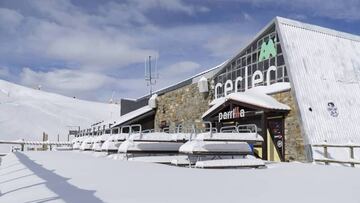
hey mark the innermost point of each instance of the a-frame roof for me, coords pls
(324, 71)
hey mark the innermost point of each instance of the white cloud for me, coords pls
(227, 45)
(90, 46)
(9, 19)
(180, 68)
(83, 84)
(170, 5)
(344, 9)
(64, 79)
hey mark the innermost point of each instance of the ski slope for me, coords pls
(26, 113)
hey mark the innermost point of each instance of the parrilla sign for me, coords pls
(234, 113)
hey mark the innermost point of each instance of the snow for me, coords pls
(26, 113)
(202, 147)
(81, 177)
(241, 136)
(133, 114)
(160, 136)
(162, 159)
(272, 89)
(323, 66)
(256, 98)
(139, 146)
(249, 161)
(152, 101)
(113, 142)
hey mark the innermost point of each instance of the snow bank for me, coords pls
(80, 177)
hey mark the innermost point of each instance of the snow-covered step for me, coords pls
(161, 159)
(215, 147)
(230, 163)
(130, 146)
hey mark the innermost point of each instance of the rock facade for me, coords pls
(186, 106)
(294, 142)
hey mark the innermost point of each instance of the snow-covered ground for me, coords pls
(84, 177)
(27, 113)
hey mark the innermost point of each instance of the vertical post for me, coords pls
(150, 75)
(352, 155)
(264, 134)
(22, 147)
(326, 153)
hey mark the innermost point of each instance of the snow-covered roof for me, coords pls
(253, 98)
(271, 89)
(324, 71)
(132, 115)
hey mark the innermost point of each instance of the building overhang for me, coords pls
(252, 100)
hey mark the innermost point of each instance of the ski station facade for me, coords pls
(298, 83)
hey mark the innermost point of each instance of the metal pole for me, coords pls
(352, 155)
(150, 78)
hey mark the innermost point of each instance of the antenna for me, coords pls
(112, 98)
(150, 76)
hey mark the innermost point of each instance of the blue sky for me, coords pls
(91, 49)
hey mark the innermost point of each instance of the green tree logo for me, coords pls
(267, 49)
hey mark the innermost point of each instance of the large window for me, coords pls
(249, 58)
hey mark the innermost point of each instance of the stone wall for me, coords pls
(294, 142)
(185, 105)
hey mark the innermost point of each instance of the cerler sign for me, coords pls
(267, 49)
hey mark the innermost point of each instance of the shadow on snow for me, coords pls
(58, 184)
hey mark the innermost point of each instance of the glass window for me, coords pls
(242, 71)
(272, 75)
(272, 61)
(280, 60)
(278, 49)
(254, 47)
(248, 61)
(254, 58)
(266, 64)
(254, 68)
(243, 61)
(280, 72)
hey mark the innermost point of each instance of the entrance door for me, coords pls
(276, 143)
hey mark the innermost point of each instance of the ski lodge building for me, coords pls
(299, 83)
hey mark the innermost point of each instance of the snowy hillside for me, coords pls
(27, 113)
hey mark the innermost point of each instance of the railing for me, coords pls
(328, 160)
(23, 143)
